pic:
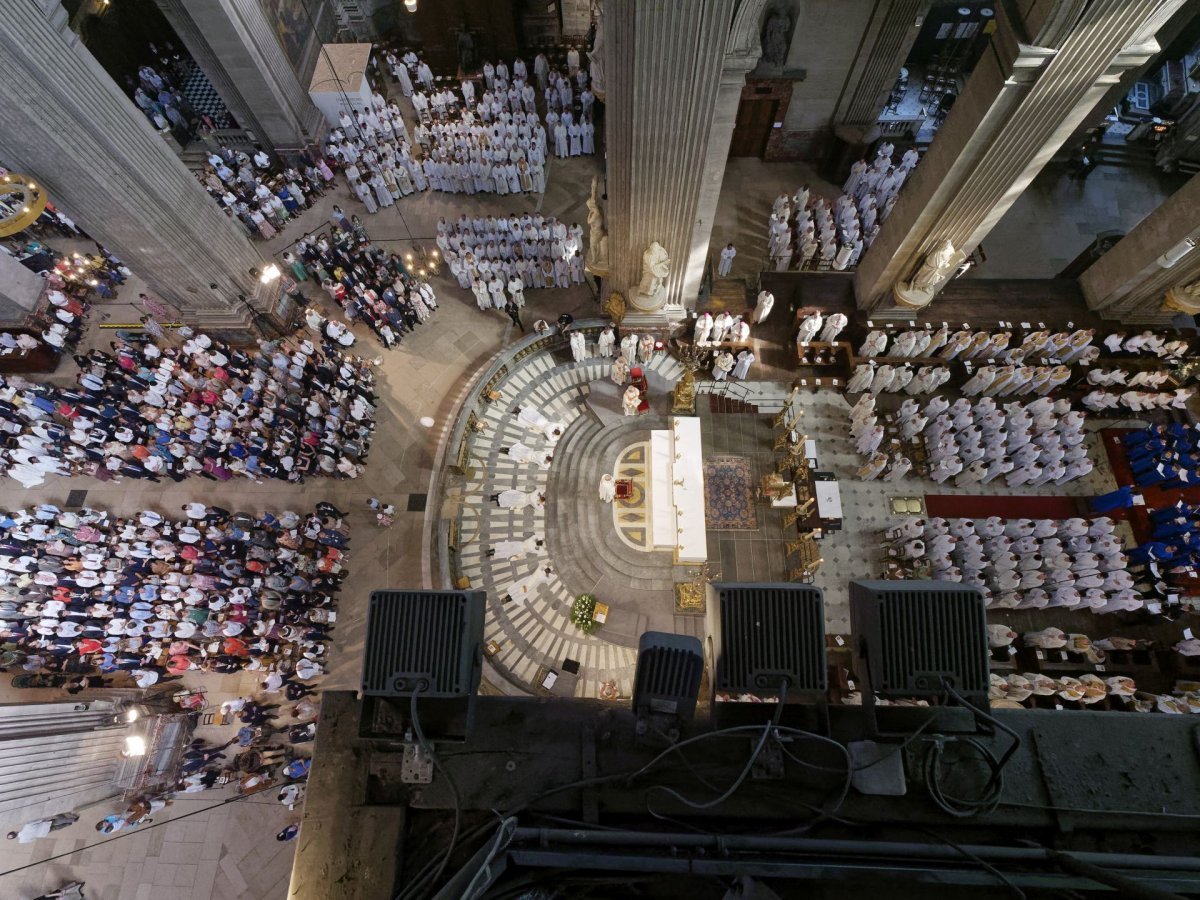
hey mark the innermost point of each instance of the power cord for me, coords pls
(989, 798)
(417, 884)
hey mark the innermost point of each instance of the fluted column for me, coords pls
(68, 124)
(674, 73)
(890, 34)
(1129, 282)
(238, 49)
(1020, 104)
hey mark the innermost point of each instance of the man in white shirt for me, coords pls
(39, 828)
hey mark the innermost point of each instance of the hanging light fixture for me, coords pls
(410, 5)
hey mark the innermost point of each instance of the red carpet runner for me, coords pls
(960, 506)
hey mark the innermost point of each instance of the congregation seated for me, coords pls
(286, 411)
(154, 597)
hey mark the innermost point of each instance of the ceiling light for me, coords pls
(410, 5)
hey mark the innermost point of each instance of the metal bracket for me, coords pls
(417, 765)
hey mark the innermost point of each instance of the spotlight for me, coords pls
(269, 274)
(135, 745)
(131, 715)
(410, 5)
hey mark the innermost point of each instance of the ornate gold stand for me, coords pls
(690, 595)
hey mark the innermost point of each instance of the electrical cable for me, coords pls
(437, 764)
(987, 717)
(509, 824)
(989, 798)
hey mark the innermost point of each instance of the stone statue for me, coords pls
(656, 266)
(596, 55)
(466, 52)
(1185, 298)
(614, 308)
(597, 234)
(775, 38)
(939, 264)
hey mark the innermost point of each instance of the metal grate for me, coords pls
(918, 633)
(669, 668)
(767, 632)
(422, 640)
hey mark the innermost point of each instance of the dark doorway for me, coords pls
(755, 118)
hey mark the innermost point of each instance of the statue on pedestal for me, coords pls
(1185, 299)
(652, 289)
(597, 262)
(939, 264)
(775, 38)
(466, 53)
(596, 55)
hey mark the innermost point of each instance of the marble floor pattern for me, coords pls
(525, 636)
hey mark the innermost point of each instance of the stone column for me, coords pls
(674, 73)
(1130, 281)
(69, 125)
(889, 37)
(20, 290)
(238, 49)
(1025, 97)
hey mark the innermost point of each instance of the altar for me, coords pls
(677, 490)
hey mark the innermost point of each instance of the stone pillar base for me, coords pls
(1177, 301)
(910, 298)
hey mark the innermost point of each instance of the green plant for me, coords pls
(582, 611)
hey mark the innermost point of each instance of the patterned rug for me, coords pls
(631, 515)
(729, 494)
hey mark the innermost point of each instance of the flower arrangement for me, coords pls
(582, 611)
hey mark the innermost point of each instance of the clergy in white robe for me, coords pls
(514, 499)
(722, 366)
(809, 326)
(704, 326)
(605, 342)
(864, 375)
(874, 345)
(745, 360)
(873, 467)
(516, 549)
(578, 346)
(900, 467)
(882, 381)
(520, 453)
(833, 327)
(721, 326)
(869, 441)
(762, 308)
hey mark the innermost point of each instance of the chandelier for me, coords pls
(21, 202)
